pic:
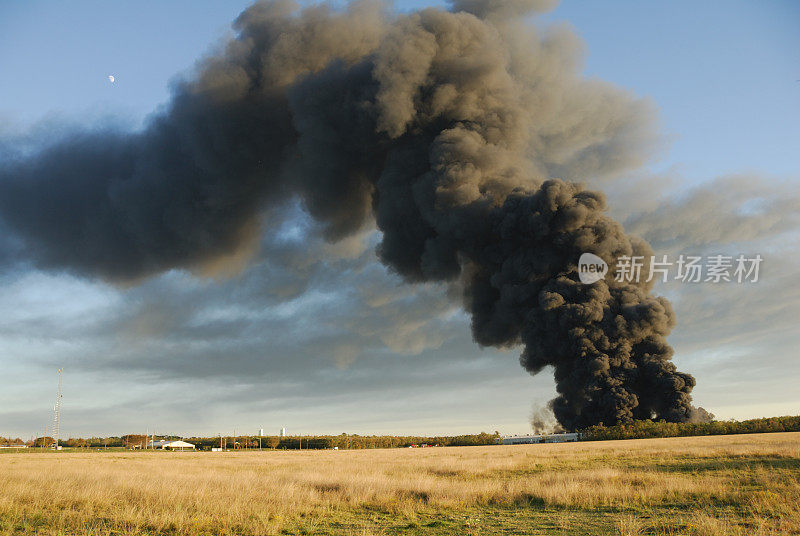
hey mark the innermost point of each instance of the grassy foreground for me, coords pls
(746, 484)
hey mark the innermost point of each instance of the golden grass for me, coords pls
(746, 484)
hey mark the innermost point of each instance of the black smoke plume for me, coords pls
(458, 132)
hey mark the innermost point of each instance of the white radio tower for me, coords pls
(57, 413)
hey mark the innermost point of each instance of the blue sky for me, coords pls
(723, 76)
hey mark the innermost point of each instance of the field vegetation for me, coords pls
(715, 485)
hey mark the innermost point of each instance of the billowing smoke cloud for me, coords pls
(543, 421)
(701, 415)
(457, 132)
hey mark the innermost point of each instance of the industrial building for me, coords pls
(171, 445)
(544, 438)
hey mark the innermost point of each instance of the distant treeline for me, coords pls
(648, 429)
(343, 441)
(634, 430)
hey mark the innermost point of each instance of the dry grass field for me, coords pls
(746, 484)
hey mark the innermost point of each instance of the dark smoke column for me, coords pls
(468, 166)
(460, 132)
(606, 340)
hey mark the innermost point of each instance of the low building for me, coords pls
(171, 445)
(544, 438)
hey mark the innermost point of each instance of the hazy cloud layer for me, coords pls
(734, 209)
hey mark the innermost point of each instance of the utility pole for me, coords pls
(57, 412)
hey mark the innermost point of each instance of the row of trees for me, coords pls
(633, 430)
(648, 429)
(343, 441)
(126, 441)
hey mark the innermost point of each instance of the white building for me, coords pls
(545, 438)
(171, 445)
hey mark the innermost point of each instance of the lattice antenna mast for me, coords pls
(57, 412)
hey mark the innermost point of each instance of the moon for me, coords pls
(111, 78)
